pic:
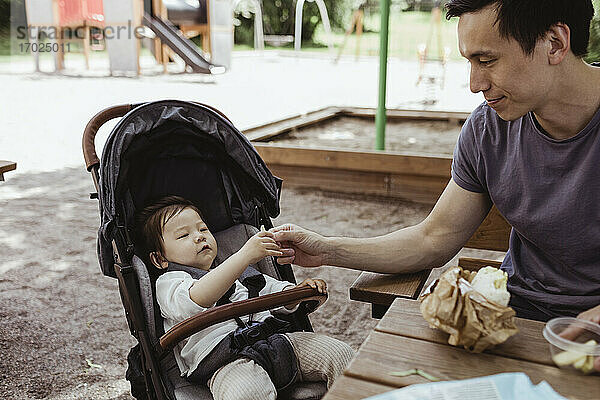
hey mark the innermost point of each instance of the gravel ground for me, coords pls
(415, 137)
(64, 334)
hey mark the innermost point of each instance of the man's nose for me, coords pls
(200, 237)
(478, 82)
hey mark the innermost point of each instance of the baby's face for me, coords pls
(188, 241)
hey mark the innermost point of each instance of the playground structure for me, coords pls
(298, 23)
(121, 26)
(358, 16)
(79, 15)
(174, 22)
(259, 34)
(432, 69)
(170, 23)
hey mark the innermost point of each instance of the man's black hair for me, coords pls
(527, 21)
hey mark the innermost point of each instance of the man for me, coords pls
(532, 149)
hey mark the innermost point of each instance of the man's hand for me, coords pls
(318, 284)
(572, 332)
(299, 246)
(593, 315)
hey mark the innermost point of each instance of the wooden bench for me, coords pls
(381, 289)
(6, 166)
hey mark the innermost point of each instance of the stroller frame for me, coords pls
(123, 252)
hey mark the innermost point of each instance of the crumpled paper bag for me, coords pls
(453, 306)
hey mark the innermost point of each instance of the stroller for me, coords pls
(190, 150)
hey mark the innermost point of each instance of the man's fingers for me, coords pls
(275, 253)
(285, 260)
(572, 332)
(284, 236)
(287, 251)
(287, 256)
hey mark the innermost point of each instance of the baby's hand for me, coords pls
(260, 246)
(318, 284)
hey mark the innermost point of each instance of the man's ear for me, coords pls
(559, 40)
(158, 260)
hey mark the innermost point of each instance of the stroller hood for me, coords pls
(167, 147)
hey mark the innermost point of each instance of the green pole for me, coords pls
(380, 117)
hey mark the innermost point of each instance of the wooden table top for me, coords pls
(403, 340)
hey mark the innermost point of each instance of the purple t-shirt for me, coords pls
(549, 191)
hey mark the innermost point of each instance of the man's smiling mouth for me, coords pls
(494, 101)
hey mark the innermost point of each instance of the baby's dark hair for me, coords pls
(152, 219)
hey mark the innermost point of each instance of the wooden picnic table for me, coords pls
(403, 340)
(6, 166)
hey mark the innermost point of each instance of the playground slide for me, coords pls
(182, 46)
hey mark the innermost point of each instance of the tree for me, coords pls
(594, 47)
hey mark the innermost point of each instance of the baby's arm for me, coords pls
(208, 289)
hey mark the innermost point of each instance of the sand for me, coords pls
(64, 333)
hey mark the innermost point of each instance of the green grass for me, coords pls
(407, 30)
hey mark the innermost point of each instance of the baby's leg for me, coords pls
(242, 379)
(320, 357)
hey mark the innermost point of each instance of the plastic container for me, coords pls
(567, 338)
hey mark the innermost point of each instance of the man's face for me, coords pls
(512, 82)
(187, 240)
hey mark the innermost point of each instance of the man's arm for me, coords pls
(433, 242)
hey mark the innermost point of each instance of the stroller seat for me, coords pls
(190, 150)
(228, 242)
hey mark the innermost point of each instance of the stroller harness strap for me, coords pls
(261, 342)
(253, 280)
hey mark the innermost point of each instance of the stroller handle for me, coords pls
(194, 324)
(89, 134)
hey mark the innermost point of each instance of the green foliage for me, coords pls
(594, 47)
(279, 15)
(11, 11)
(4, 27)
(4, 15)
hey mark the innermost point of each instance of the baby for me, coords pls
(251, 357)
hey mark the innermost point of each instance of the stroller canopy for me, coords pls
(186, 149)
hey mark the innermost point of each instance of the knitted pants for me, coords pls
(320, 358)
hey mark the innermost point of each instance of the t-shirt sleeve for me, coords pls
(466, 157)
(173, 296)
(273, 286)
